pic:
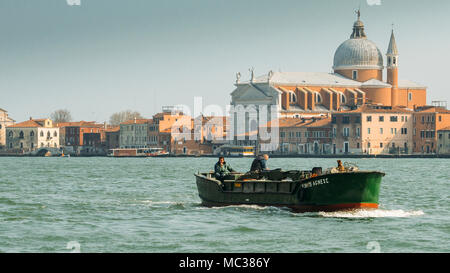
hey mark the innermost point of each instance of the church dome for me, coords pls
(358, 54)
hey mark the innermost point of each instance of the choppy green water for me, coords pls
(151, 205)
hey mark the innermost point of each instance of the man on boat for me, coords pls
(222, 169)
(260, 163)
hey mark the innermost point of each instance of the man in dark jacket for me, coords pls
(222, 169)
(260, 163)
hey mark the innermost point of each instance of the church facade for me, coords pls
(357, 80)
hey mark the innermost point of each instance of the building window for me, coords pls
(355, 74)
(343, 98)
(31, 134)
(381, 144)
(358, 132)
(42, 134)
(346, 120)
(346, 132)
(381, 131)
(318, 98)
(368, 131)
(369, 118)
(293, 97)
(394, 118)
(381, 118)
(21, 135)
(389, 61)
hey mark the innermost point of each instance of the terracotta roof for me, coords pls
(377, 109)
(136, 121)
(320, 123)
(299, 122)
(113, 129)
(27, 124)
(434, 109)
(78, 124)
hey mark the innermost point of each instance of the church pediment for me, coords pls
(250, 93)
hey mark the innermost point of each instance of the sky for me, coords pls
(106, 56)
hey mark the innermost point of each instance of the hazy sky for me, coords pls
(106, 56)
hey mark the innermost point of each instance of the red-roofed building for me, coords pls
(134, 133)
(81, 135)
(31, 135)
(373, 129)
(428, 121)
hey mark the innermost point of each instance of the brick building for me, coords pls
(428, 121)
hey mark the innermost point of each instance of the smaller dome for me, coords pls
(358, 23)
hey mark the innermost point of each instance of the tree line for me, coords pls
(64, 115)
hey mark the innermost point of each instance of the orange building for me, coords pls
(81, 133)
(373, 129)
(427, 121)
(199, 136)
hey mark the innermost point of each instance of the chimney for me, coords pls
(31, 118)
(134, 120)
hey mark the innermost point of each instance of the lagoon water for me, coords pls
(152, 205)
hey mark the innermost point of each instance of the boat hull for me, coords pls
(329, 192)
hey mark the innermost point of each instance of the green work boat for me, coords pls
(301, 191)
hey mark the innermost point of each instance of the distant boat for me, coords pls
(137, 152)
(301, 191)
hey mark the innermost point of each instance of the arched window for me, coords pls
(32, 134)
(48, 134)
(21, 134)
(42, 134)
(55, 134)
(318, 98)
(343, 98)
(293, 97)
(10, 134)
